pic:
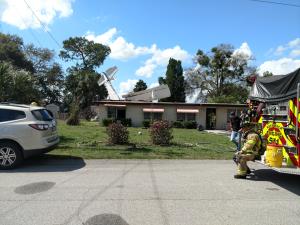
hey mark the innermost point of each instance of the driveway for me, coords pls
(145, 192)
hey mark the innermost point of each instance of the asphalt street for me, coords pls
(146, 192)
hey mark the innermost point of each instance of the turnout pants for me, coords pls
(242, 163)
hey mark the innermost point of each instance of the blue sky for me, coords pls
(144, 34)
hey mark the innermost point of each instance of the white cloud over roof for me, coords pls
(161, 58)
(123, 50)
(289, 61)
(126, 86)
(120, 48)
(18, 13)
(279, 67)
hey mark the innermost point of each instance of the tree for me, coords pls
(12, 51)
(87, 54)
(267, 74)
(81, 84)
(140, 86)
(221, 75)
(48, 74)
(175, 80)
(17, 85)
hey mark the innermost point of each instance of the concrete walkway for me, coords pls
(146, 192)
(225, 132)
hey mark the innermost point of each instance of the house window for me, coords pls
(186, 116)
(180, 116)
(157, 116)
(152, 116)
(111, 112)
(190, 116)
(116, 113)
(147, 116)
(282, 108)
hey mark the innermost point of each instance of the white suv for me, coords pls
(25, 130)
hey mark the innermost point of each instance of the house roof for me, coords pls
(179, 104)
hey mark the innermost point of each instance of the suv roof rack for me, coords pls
(14, 104)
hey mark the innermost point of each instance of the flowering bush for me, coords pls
(117, 133)
(161, 133)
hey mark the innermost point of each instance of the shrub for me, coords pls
(126, 122)
(146, 123)
(178, 124)
(107, 122)
(190, 124)
(161, 133)
(117, 133)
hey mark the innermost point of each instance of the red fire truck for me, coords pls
(274, 105)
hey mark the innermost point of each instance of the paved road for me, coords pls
(143, 192)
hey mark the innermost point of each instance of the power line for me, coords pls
(276, 3)
(30, 31)
(45, 28)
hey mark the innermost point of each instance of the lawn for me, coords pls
(89, 141)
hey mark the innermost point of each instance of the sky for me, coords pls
(143, 35)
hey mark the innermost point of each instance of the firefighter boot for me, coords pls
(238, 176)
(248, 171)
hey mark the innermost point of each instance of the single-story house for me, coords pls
(209, 115)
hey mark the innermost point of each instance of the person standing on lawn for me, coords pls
(235, 123)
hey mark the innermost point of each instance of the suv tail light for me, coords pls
(39, 126)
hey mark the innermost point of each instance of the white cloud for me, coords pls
(244, 51)
(279, 67)
(124, 50)
(120, 48)
(284, 65)
(152, 85)
(293, 47)
(280, 50)
(105, 38)
(294, 43)
(126, 86)
(146, 71)
(295, 53)
(161, 58)
(17, 13)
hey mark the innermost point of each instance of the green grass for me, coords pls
(89, 141)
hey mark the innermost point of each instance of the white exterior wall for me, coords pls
(135, 112)
(221, 118)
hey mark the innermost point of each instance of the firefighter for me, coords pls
(250, 149)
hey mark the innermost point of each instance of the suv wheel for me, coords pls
(10, 155)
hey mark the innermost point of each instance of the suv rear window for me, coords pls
(42, 115)
(9, 115)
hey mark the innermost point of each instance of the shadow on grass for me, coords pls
(49, 163)
(64, 139)
(132, 149)
(286, 181)
(172, 154)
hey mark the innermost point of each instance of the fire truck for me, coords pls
(274, 105)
